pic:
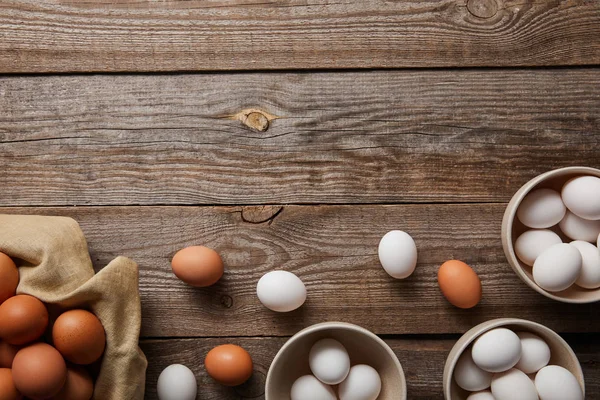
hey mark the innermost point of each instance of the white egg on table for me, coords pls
(513, 385)
(483, 395)
(363, 383)
(557, 383)
(281, 291)
(398, 254)
(589, 277)
(581, 195)
(541, 208)
(469, 376)
(557, 268)
(535, 353)
(329, 361)
(578, 228)
(308, 387)
(529, 245)
(497, 350)
(177, 382)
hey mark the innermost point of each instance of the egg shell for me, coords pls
(7, 354)
(532, 243)
(23, 319)
(398, 254)
(362, 383)
(589, 277)
(581, 195)
(39, 371)
(469, 376)
(329, 361)
(198, 266)
(541, 208)
(281, 291)
(578, 228)
(228, 364)
(78, 386)
(79, 336)
(557, 383)
(535, 353)
(177, 382)
(484, 395)
(513, 385)
(598, 241)
(8, 391)
(308, 387)
(9, 278)
(459, 284)
(558, 267)
(497, 350)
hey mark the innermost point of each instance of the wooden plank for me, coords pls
(333, 249)
(422, 360)
(393, 137)
(83, 36)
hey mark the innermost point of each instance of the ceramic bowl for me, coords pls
(562, 354)
(364, 347)
(512, 228)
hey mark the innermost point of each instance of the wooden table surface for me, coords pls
(292, 135)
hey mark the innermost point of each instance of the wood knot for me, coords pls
(255, 119)
(260, 214)
(226, 301)
(483, 8)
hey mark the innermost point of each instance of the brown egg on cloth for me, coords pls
(79, 336)
(459, 284)
(9, 278)
(8, 391)
(198, 266)
(39, 371)
(7, 354)
(79, 385)
(23, 319)
(228, 364)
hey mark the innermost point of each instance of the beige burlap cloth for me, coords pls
(55, 266)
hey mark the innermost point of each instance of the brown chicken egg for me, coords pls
(39, 371)
(198, 266)
(8, 391)
(23, 319)
(228, 364)
(459, 284)
(9, 278)
(79, 336)
(7, 354)
(79, 385)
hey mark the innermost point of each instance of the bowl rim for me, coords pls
(338, 325)
(509, 218)
(469, 337)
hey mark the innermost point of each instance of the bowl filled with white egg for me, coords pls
(512, 359)
(335, 361)
(551, 234)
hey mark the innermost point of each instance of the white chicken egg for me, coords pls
(581, 195)
(363, 383)
(177, 382)
(484, 395)
(497, 350)
(398, 254)
(589, 277)
(541, 208)
(308, 387)
(281, 291)
(535, 353)
(578, 228)
(557, 383)
(329, 361)
(557, 268)
(513, 385)
(469, 376)
(532, 243)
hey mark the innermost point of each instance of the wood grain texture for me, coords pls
(393, 137)
(422, 359)
(177, 35)
(333, 249)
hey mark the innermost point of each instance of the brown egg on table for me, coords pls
(8, 390)
(79, 385)
(39, 371)
(7, 354)
(79, 336)
(23, 319)
(459, 284)
(9, 278)
(198, 266)
(228, 364)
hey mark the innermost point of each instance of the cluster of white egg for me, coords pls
(330, 364)
(504, 365)
(576, 211)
